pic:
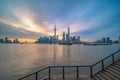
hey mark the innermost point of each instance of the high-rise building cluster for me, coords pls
(6, 40)
(46, 39)
(105, 40)
(51, 39)
(66, 38)
(108, 40)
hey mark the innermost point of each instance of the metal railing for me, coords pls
(49, 68)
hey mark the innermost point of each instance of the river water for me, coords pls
(17, 60)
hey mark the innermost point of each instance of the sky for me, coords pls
(31, 19)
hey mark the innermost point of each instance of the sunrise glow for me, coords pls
(88, 19)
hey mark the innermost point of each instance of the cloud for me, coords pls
(84, 17)
(11, 31)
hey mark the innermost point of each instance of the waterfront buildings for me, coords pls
(78, 39)
(50, 39)
(104, 40)
(6, 40)
(68, 34)
(66, 38)
(16, 41)
(1, 40)
(70, 39)
(63, 37)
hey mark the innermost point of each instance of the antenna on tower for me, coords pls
(55, 33)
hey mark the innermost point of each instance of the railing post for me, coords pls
(49, 72)
(77, 72)
(91, 72)
(113, 58)
(36, 76)
(102, 65)
(63, 72)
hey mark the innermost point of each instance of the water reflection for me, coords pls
(54, 52)
(68, 52)
(21, 59)
(63, 51)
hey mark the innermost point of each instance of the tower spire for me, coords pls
(55, 33)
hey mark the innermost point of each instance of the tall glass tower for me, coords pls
(68, 33)
(63, 36)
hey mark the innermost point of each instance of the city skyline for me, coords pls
(30, 19)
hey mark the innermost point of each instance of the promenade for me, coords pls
(107, 68)
(111, 72)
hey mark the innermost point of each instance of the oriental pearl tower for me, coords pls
(55, 34)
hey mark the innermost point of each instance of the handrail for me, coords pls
(70, 66)
(102, 61)
(105, 58)
(77, 66)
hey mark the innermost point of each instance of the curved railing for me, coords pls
(92, 73)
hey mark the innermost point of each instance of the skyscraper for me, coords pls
(78, 39)
(6, 39)
(103, 40)
(16, 41)
(55, 34)
(63, 36)
(108, 39)
(1, 40)
(68, 33)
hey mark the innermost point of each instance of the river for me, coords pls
(17, 60)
